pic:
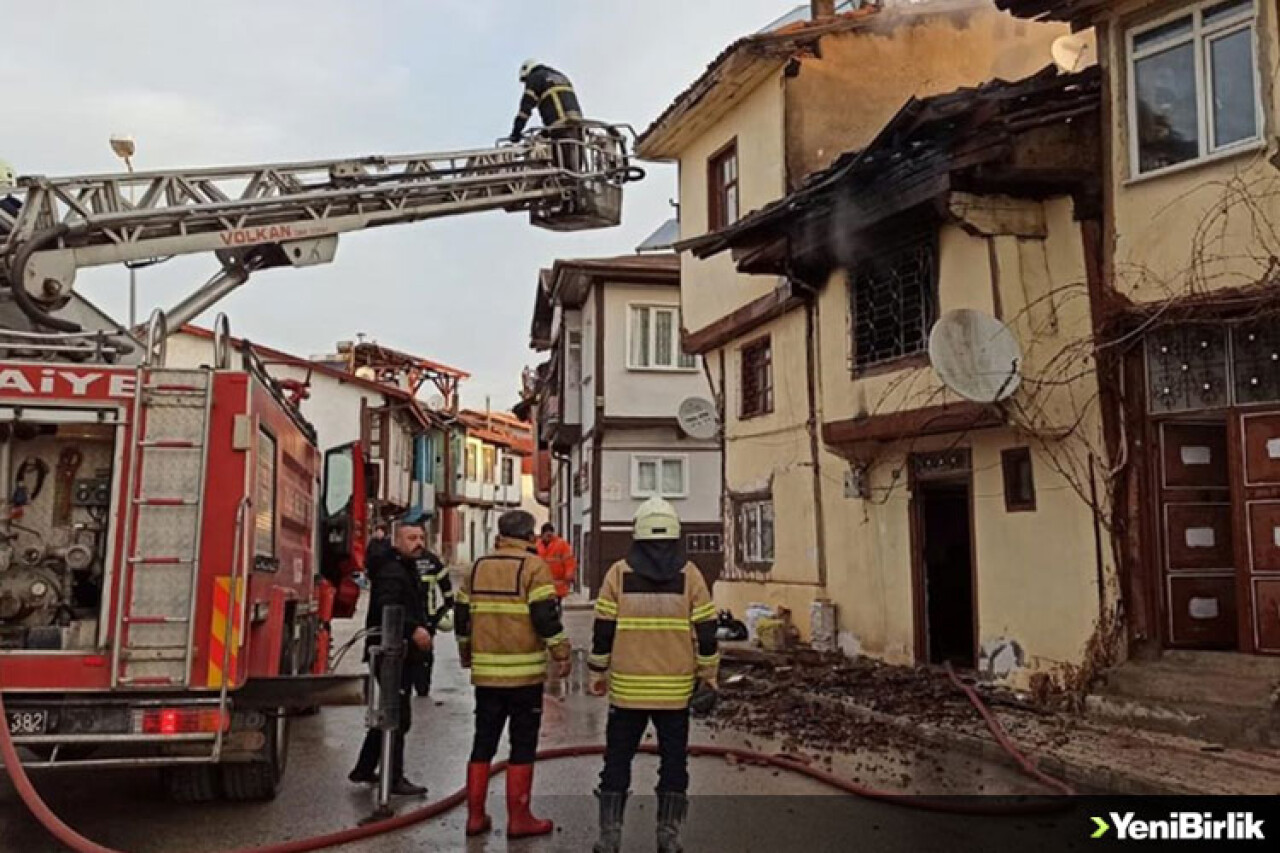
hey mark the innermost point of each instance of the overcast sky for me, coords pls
(247, 81)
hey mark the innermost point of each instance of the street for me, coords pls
(735, 807)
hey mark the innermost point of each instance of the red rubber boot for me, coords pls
(520, 823)
(478, 822)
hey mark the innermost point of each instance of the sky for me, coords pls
(255, 81)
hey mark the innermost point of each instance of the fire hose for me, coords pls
(77, 842)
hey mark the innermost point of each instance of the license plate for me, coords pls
(27, 722)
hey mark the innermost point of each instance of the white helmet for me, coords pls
(526, 68)
(8, 177)
(656, 519)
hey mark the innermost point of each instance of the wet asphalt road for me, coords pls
(734, 808)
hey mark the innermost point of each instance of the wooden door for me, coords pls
(1198, 556)
(1257, 482)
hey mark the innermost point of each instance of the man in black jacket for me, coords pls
(394, 575)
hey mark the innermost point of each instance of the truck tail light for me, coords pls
(178, 721)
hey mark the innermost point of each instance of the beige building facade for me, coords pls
(847, 465)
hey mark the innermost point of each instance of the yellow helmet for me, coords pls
(8, 176)
(656, 519)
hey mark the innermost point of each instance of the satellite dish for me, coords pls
(1072, 52)
(697, 417)
(366, 372)
(435, 402)
(975, 355)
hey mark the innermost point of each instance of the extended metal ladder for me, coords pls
(155, 619)
(291, 214)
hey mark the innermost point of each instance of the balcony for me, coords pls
(559, 435)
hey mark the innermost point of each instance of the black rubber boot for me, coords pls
(672, 809)
(612, 809)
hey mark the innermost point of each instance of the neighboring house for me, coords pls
(485, 479)
(391, 425)
(1186, 309)
(519, 432)
(607, 404)
(770, 110)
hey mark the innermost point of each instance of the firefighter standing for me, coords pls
(508, 623)
(549, 92)
(394, 577)
(653, 609)
(437, 591)
(557, 554)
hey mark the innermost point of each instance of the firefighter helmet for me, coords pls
(526, 68)
(656, 519)
(8, 177)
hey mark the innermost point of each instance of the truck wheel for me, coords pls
(190, 785)
(259, 781)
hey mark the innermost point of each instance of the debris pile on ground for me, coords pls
(800, 699)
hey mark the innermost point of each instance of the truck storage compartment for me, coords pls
(58, 476)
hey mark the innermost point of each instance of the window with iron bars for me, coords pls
(704, 543)
(893, 297)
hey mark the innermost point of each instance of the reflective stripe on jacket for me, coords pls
(508, 617)
(655, 638)
(552, 95)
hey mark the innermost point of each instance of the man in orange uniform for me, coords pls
(557, 554)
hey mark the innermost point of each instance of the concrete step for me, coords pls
(1173, 681)
(1231, 725)
(1226, 663)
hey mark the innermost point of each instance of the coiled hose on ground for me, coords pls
(77, 842)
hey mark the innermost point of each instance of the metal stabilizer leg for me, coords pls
(387, 660)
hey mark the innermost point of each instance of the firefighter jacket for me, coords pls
(507, 618)
(551, 93)
(559, 556)
(654, 633)
(437, 588)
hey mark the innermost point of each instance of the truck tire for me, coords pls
(259, 781)
(190, 785)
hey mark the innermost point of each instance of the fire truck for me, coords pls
(173, 543)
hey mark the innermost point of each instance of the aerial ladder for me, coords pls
(275, 215)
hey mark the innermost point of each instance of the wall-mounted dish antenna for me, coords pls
(698, 419)
(975, 355)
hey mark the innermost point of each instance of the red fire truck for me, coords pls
(173, 545)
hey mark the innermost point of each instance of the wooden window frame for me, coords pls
(717, 188)
(763, 404)
(1009, 460)
(471, 461)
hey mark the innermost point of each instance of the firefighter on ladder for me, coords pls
(653, 640)
(507, 619)
(551, 93)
